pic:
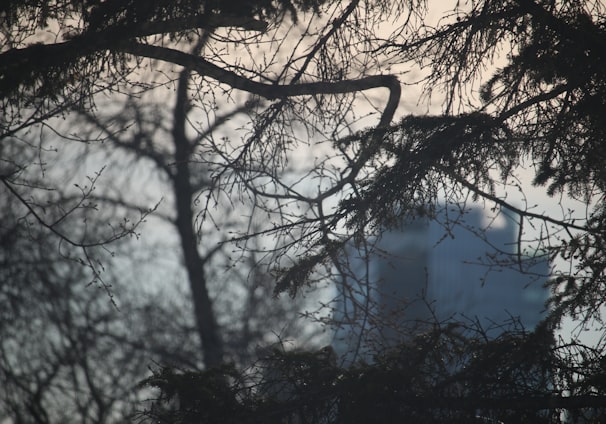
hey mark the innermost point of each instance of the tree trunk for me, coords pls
(206, 323)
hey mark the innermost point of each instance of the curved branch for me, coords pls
(272, 91)
(277, 91)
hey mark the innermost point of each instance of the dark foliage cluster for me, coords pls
(444, 375)
(542, 109)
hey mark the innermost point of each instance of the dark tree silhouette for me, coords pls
(325, 146)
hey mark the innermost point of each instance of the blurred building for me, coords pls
(457, 268)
